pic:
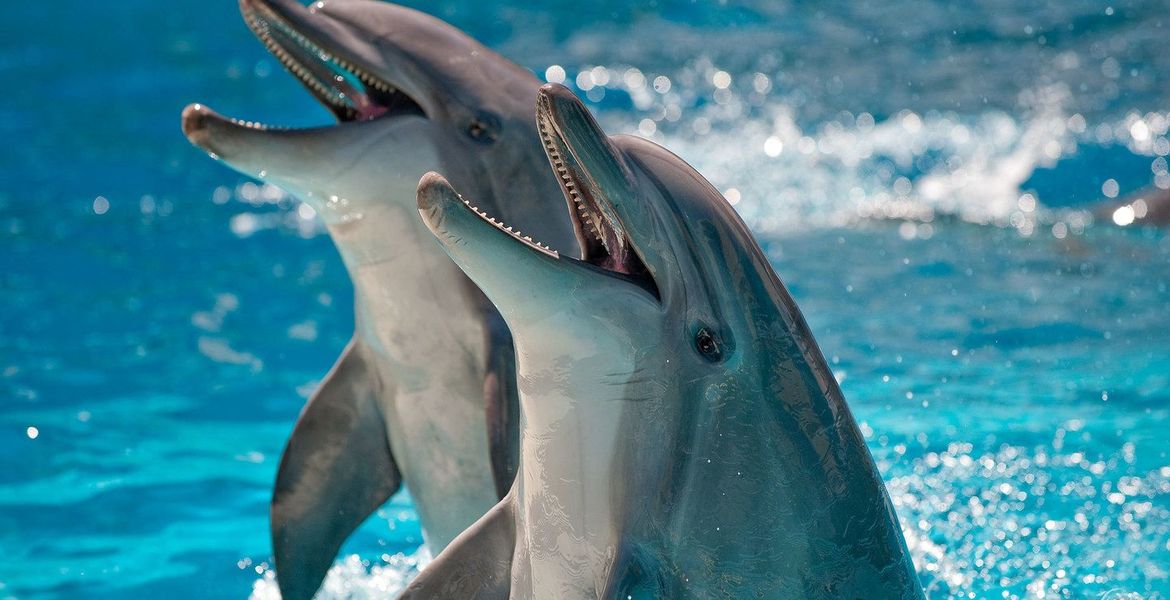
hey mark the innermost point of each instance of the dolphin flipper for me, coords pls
(336, 470)
(502, 402)
(476, 565)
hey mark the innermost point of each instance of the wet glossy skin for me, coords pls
(430, 355)
(686, 444)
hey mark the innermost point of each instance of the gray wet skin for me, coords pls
(424, 393)
(682, 435)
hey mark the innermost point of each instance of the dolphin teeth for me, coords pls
(268, 27)
(587, 220)
(508, 229)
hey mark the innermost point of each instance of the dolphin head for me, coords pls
(661, 250)
(404, 87)
(673, 338)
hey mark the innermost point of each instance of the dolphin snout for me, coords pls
(195, 120)
(229, 139)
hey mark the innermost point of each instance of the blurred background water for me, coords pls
(918, 171)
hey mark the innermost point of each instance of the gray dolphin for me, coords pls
(1148, 206)
(424, 393)
(682, 435)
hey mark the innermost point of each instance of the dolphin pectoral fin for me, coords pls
(477, 564)
(502, 403)
(337, 469)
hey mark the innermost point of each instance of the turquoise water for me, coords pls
(918, 173)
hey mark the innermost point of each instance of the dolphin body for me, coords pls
(424, 393)
(682, 436)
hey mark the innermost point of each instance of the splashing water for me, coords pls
(355, 579)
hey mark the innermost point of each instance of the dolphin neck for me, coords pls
(378, 235)
(404, 283)
(568, 524)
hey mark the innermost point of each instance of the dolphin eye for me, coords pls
(708, 345)
(483, 128)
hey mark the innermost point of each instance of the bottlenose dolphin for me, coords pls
(1148, 206)
(424, 393)
(682, 436)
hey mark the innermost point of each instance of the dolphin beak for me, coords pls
(308, 159)
(590, 171)
(613, 221)
(334, 59)
(492, 254)
(195, 126)
(239, 143)
(281, 156)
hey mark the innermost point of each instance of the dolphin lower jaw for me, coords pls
(347, 89)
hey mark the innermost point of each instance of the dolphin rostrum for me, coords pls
(424, 393)
(681, 434)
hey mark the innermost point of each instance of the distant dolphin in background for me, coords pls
(424, 393)
(1149, 206)
(682, 435)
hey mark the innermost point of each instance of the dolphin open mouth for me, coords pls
(603, 238)
(337, 79)
(593, 177)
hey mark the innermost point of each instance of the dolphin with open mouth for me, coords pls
(424, 393)
(682, 435)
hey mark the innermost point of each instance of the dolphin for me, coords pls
(681, 433)
(1148, 206)
(424, 392)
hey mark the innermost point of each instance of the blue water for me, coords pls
(918, 172)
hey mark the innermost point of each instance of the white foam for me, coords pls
(353, 578)
(907, 166)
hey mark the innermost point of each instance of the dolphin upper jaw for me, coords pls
(590, 173)
(599, 232)
(334, 60)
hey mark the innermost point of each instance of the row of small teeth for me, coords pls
(262, 26)
(510, 231)
(570, 186)
(257, 125)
